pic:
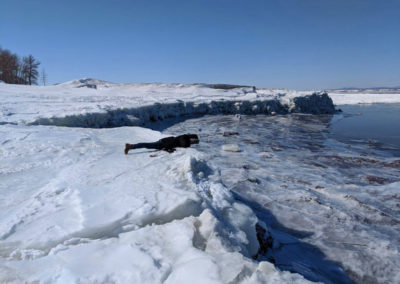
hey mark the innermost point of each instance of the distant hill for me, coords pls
(87, 83)
(372, 90)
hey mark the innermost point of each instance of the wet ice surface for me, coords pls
(329, 204)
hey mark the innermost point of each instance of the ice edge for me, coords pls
(316, 103)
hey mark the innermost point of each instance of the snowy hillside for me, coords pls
(75, 209)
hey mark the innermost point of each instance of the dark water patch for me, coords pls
(377, 125)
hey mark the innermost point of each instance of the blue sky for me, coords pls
(299, 44)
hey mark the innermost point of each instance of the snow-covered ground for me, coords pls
(74, 208)
(363, 98)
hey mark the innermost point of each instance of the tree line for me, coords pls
(14, 70)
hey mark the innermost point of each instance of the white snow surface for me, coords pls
(363, 98)
(75, 209)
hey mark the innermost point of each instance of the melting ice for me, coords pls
(321, 198)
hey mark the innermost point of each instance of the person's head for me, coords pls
(194, 139)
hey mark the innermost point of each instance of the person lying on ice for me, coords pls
(167, 144)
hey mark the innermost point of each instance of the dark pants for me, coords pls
(154, 145)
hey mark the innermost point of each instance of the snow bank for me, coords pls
(315, 103)
(94, 103)
(75, 209)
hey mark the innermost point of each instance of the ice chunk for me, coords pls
(231, 148)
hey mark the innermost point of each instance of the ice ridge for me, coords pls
(316, 103)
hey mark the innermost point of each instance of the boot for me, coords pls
(127, 148)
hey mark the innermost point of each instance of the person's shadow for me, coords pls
(292, 254)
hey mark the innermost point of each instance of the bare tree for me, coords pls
(43, 77)
(13, 71)
(29, 69)
(9, 67)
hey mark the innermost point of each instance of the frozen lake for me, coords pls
(259, 198)
(327, 186)
(308, 194)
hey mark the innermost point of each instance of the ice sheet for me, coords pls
(322, 199)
